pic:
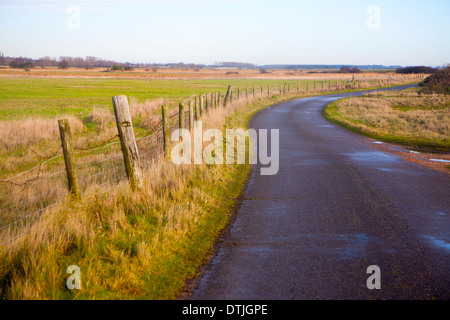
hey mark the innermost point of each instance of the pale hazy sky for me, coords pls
(396, 32)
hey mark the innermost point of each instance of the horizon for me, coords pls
(256, 32)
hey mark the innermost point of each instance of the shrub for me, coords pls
(63, 64)
(347, 69)
(411, 70)
(438, 82)
(116, 68)
(21, 63)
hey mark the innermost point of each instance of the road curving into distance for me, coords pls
(336, 207)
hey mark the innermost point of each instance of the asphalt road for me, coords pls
(336, 207)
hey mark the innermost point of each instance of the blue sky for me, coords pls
(256, 31)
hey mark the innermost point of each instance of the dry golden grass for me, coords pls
(128, 244)
(16, 134)
(174, 74)
(398, 116)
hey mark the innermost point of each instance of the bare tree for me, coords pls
(63, 64)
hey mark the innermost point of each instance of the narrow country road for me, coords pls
(336, 207)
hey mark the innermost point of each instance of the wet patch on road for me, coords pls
(442, 244)
(365, 157)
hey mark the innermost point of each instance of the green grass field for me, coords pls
(22, 97)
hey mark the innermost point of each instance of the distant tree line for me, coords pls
(412, 70)
(326, 66)
(240, 65)
(89, 62)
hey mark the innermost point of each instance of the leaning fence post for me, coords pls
(128, 141)
(218, 99)
(227, 96)
(166, 131)
(66, 142)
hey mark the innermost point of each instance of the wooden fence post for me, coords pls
(195, 109)
(166, 131)
(66, 143)
(191, 117)
(227, 96)
(231, 95)
(200, 105)
(246, 93)
(218, 99)
(181, 124)
(128, 141)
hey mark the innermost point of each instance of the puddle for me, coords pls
(438, 243)
(440, 160)
(377, 142)
(326, 126)
(390, 170)
(372, 157)
(410, 151)
(441, 213)
(355, 245)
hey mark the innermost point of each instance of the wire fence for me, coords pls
(29, 194)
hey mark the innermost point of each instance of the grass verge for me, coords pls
(130, 245)
(417, 121)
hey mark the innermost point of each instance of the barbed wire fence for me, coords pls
(27, 195)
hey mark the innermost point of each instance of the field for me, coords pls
(418, 121)
(51, 93)
(142, 244)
